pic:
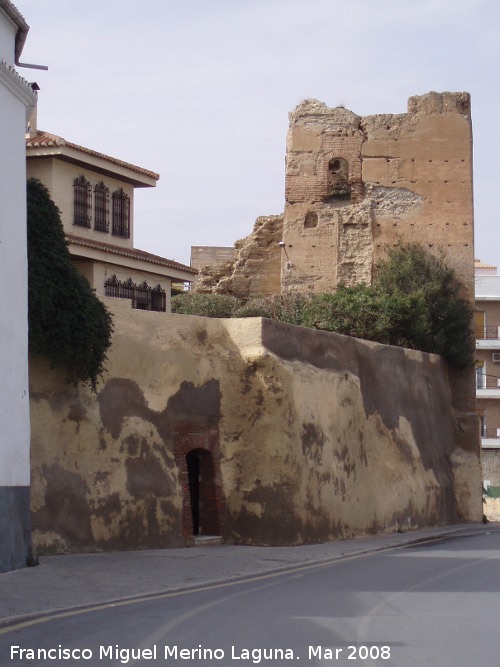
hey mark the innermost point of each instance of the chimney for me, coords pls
(32, 127)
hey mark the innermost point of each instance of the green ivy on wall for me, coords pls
(67, 322)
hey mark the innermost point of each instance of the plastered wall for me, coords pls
(16, 98)
(303, 436)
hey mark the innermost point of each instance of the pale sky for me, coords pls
(199, 91)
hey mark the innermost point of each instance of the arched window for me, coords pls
(121, 214)
(338, 178)
(82, 195)
(101, 207)
(311, 220)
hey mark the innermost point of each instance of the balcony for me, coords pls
(487, 386)
(490, 438)
(488, 338)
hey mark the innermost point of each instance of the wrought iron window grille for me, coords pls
(82, 195)
(143, 297)
(121, 214)
(101, 207)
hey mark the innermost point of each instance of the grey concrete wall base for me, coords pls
(15, 527)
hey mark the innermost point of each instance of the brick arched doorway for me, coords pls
(197, 455)
(202, 492)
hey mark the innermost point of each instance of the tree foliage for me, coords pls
(416, 302)
(67, 322)
(445, 325)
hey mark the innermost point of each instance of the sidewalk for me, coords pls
(79, 580)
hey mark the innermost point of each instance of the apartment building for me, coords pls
(487, 285)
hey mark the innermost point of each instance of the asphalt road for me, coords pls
(433, 604)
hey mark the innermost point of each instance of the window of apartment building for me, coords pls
(82, 201)
(101, 207)
(479, 321)
(482, 417)
(480, 374)
(121, 214)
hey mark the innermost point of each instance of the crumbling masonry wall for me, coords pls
(255, 267)
(356, 185)
(303, 436)
(410, 178)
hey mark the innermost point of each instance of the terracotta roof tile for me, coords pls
(130, 252)
(49, 140)
(478, 264)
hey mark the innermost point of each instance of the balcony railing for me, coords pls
(490, 433)
(489, 332)
(485, 381)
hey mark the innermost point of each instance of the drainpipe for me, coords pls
(30, 66)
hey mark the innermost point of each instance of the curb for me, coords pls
(14, 621)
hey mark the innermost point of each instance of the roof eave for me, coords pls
(22, 27)
(97, 163)
(106, 250)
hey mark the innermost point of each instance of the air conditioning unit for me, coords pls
(496, 357)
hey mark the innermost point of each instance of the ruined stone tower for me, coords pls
(354, 186)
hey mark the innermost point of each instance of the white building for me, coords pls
(16, 101)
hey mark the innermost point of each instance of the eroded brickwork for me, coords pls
(320, 146)
(204, 442)
(356, 185)
(409, 178)
(255, 268)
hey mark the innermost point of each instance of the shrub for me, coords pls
(67, 322)
(207, 305)
(287, 307)
(363, 312)
(445, 326)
